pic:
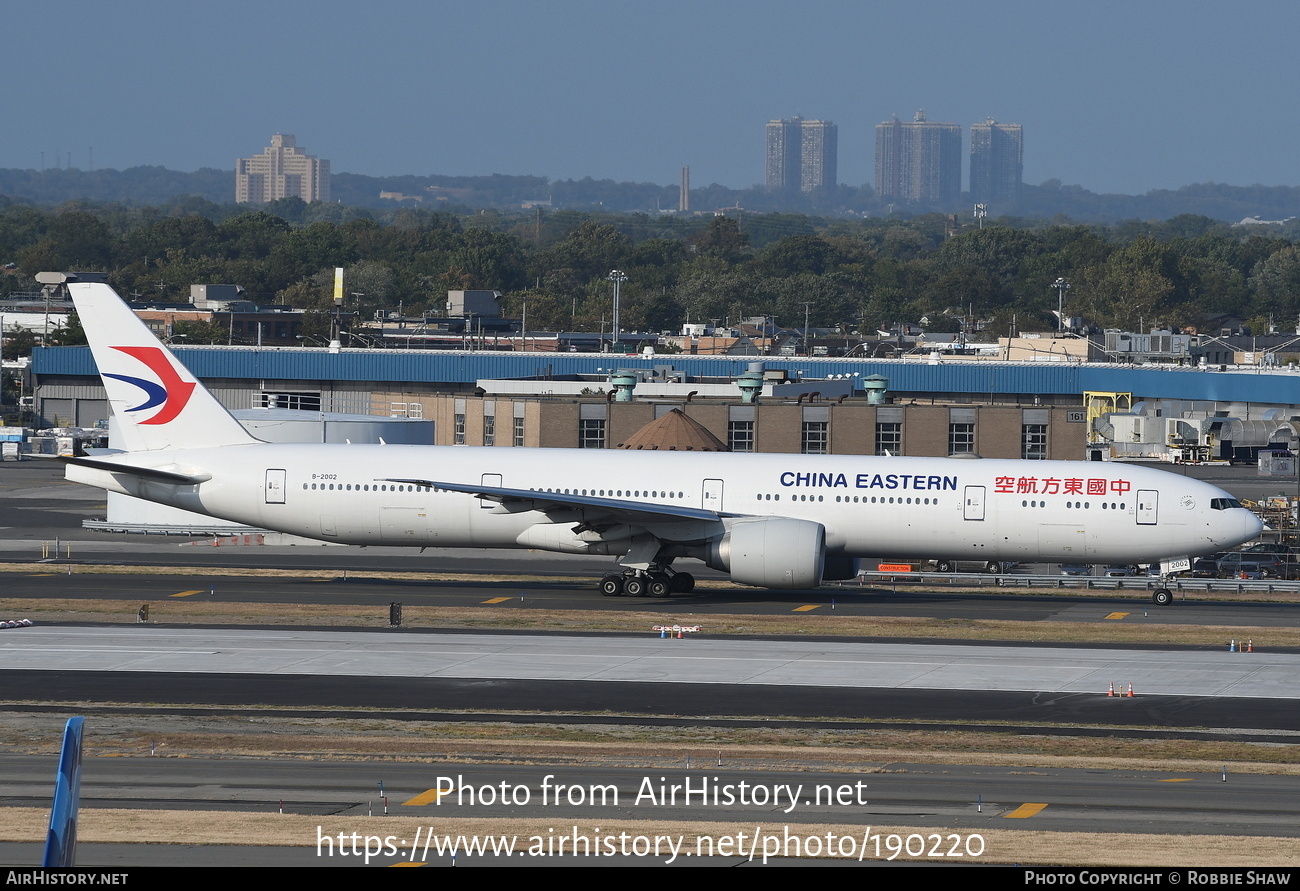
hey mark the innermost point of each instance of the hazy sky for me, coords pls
(1114, 96)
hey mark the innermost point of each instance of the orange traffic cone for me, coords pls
(1130, 691)
(1112, 690)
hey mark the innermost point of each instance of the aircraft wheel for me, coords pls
(683, 583)
(659, 586)
(634, 587)
(992, 568)
(1162, 597)
(611, 585)
(943, 566)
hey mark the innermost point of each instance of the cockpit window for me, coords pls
(1224, 503)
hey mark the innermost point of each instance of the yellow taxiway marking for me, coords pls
(186, 593)
(40, 575)
(404, 863)
(806, 609)
(428, 796)
(498, 600)
(1117, 615)
(1176, 780)
(1025, 810)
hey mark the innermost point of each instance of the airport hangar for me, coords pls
(918, 407)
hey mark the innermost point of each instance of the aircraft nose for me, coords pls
(1252, 526)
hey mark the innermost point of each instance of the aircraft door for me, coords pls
(489, 479)
(973, 503)
(1147, 503)
(711, 495)
(275, 480)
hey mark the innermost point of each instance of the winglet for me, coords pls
(61, 842)
(156, 402)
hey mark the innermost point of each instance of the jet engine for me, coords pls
(778, 552)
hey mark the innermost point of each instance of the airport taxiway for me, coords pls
(357, 653)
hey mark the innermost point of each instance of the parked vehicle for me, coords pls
(1206, 567)
(1259, 562)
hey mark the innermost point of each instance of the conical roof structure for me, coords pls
(674, 432)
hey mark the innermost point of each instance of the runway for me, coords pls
(419, 675)
(893, 792)
(818, 664)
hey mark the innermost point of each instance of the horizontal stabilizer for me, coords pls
(151, 473)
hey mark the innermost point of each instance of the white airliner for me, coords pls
(778, 521)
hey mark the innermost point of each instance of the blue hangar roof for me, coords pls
(905, 376)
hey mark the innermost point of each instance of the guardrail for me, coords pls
(1122, 583)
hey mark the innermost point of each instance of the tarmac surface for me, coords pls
(620, 659)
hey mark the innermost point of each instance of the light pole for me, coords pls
(1061, 286)
(617, 276)
(981, 211)
(523, 325)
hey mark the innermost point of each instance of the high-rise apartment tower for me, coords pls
(996, 162)
(800, 156)
(282, 171)
(783, 144)
(818, 156)
(918, 161)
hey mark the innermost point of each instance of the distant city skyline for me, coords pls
(1119, 97)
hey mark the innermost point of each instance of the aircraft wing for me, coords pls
(637, 512)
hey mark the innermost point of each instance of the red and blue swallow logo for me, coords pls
(169, 391)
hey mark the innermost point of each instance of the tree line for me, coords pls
(852, 274)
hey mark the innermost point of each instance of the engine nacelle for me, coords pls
(772, 553)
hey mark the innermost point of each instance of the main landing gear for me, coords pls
(652, 583)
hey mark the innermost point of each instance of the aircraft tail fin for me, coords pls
(61, 842)
(156, 402)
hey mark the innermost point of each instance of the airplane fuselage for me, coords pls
(870, 507)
